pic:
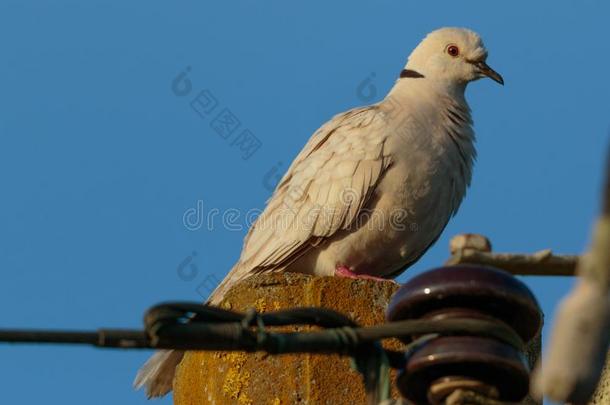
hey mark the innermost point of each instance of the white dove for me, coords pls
(373, 188)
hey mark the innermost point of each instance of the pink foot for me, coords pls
(344, 271)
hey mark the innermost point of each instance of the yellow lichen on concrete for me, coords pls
(236, 379)
(260, 305)
(224, 378)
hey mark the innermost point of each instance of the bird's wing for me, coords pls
(322, 192)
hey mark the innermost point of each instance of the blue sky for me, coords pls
(100, 159)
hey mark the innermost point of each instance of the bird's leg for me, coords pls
(344, 271)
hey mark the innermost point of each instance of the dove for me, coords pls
(373, 188)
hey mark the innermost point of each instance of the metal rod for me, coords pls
(116, 338)
(543, 263)
(233, 336)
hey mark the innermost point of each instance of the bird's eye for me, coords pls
(453, 50)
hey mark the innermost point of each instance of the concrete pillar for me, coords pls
(222, 378)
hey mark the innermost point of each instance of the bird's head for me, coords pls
(453, 55)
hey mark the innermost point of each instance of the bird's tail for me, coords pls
(157, 374)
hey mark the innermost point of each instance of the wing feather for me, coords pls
(323, 191)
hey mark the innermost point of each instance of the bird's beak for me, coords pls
(485, 70)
